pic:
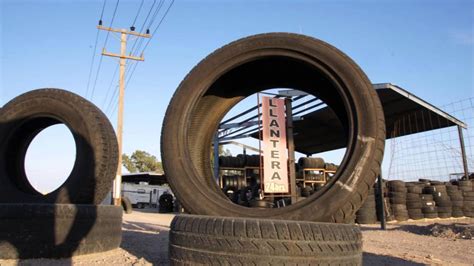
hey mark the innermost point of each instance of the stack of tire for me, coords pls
(367, 214)
(466, 186)
(231, 161)
(443, 201)
(457, 200)
(68, 221)
(330, 166)
(429, 209)
(398, 199)
(165, 203)
(252, 160)
(311, 162)
(386, 201)
(414, 203)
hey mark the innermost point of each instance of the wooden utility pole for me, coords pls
(123, 57)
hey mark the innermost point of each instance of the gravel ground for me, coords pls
(145, 242)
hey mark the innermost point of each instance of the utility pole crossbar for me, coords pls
(123, 57)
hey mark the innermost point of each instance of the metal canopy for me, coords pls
(321, 131)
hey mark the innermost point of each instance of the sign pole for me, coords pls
(291, 149)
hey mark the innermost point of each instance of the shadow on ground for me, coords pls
(374, 259)
(147, 242)
(414, 229)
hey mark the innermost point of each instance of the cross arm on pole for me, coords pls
(141, 58)
(124, 31)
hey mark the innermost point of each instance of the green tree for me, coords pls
(141, 161)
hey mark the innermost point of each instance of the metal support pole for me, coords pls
(463, 152)
(383, 224)
(216, 158)
(291, 149)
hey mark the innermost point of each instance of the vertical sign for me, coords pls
(275, 156)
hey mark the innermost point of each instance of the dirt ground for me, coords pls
(145, 242)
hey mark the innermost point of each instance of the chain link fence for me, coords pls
(433, 154)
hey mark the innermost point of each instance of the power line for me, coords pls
(113, 96)
(148, 42)
(159, 24)
(94, 51)
(138, 13)
(139, 41)
(106, 39)
(110, 86)
(102, 13)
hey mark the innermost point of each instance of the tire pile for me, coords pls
(165, 203)
(457, 200)
(442, 200)
(68, 221)
(367, 214)
(414, 201)
(429, 209)
(239, 161)
(417, 200)
(398, 199)
(467, 188)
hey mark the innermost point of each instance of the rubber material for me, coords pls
(126, 205)
(207, 240)
(95, 167)
(257, 63)
(311, 162)
(58, 230)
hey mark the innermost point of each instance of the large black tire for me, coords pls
(95, 167)
(58, 230)
(258, 63)
(127, 205)
(311, 162)
(203, 240)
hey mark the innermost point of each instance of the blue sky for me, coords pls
(425, 47)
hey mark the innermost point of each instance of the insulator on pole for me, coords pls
(100, 22)
(147, 31)
(132, 28)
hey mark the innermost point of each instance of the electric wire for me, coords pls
(134, 64)
(94, 51)
(148, 42)
(105, 44)
(110, 86)
(138, 13)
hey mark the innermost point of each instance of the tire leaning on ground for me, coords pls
(126, 205)
(253, 64)
(207, 240)
(58, 230)
(95, 167)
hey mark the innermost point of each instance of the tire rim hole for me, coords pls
(238, 182)
(50, 158)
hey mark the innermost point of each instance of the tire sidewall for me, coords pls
(362, 150)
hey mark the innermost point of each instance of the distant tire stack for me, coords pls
(311, 162)
(429, 209)
(231, 161)
(398, 199)
(165, 203)
(443, 201)
(468, 195)
(414, 202)
(457, 200)
(367, 214)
